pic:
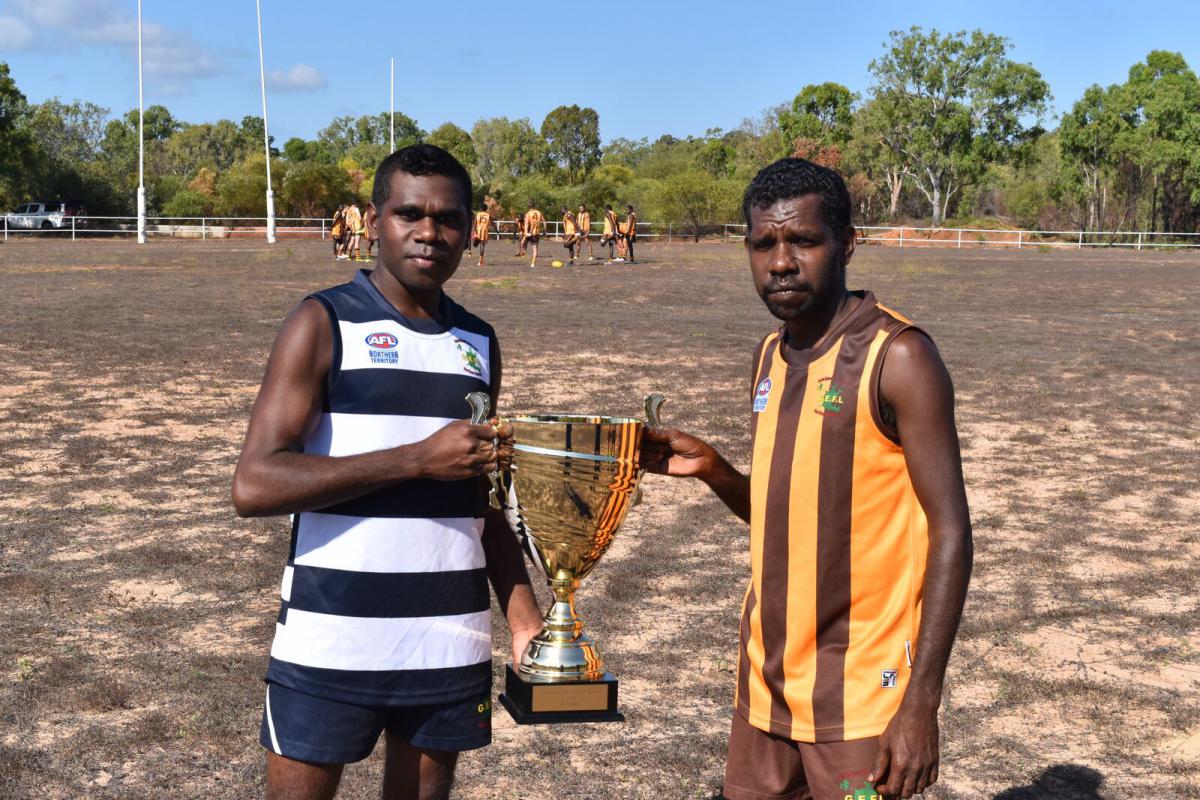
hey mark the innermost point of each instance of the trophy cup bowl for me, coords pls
(571, 481)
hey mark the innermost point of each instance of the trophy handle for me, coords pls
(481, 409)
(652, 404)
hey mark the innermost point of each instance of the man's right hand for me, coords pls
(459, 450)
(667, 451)
(681, 455)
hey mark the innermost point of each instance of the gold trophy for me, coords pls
(571, 481)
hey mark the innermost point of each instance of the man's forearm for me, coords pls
(507, 573)
(947, 574)
(730, 485)
(287, 482)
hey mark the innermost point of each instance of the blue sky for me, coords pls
(648, 68)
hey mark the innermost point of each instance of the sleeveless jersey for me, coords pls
(482, 220)
(385, 596)
(837, 540)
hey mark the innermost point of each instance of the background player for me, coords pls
(337, 232)
(354, 231)
(609, 236)
(584, 222)
(479, 234)
(570, 236)
(533, 231)
(630, 233)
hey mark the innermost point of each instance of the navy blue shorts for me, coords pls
(306, 728)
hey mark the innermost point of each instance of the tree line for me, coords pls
(950, 129)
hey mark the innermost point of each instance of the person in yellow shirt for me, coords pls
(584, 221)
(570, 233)
(354, 230)
(533, 231)
(609, 236)
(479, 234)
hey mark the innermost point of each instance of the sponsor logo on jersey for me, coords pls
(382, 341)
(472, 363)
(383, 348)
(888, 678)
(831, 400)
(761, 395)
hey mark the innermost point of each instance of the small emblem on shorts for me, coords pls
(864, 792)
(889, 678)
(761, 395)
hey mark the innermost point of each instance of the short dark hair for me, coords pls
(420, 159)
(795, 177)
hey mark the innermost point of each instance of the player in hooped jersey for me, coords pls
(358, 431)
(860, 538)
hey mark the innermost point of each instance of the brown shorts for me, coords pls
(761, 766)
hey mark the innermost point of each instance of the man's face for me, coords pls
(796, 261)
(422, 230)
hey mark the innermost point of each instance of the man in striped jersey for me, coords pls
(358, 432)
(860, 539)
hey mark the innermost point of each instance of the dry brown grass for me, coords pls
(139, 609)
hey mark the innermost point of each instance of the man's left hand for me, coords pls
(906, 762)
(521, 639)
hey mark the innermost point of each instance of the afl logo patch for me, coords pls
(382, 341)
(761, 395)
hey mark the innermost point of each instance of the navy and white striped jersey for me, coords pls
(385, 597)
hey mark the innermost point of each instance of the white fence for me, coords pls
(891, 236)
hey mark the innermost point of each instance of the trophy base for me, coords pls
(537, 703)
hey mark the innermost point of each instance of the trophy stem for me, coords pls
(562, 651)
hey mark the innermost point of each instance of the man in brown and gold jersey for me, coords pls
(584, 221)
(609, 236)
(860, 537)
(570, 233)
(480, 229)
(533, 231)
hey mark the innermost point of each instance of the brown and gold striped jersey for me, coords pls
(585, 223)
(483, 221)
(533, 222)
(837, 540)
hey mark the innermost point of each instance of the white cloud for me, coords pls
(300, 78)
(14, 34)
(172, 59)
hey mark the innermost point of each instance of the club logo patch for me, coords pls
(472, 363)
(864, 792)
(888, 680)
(830, 396)
(761, 395)
(383, 348)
